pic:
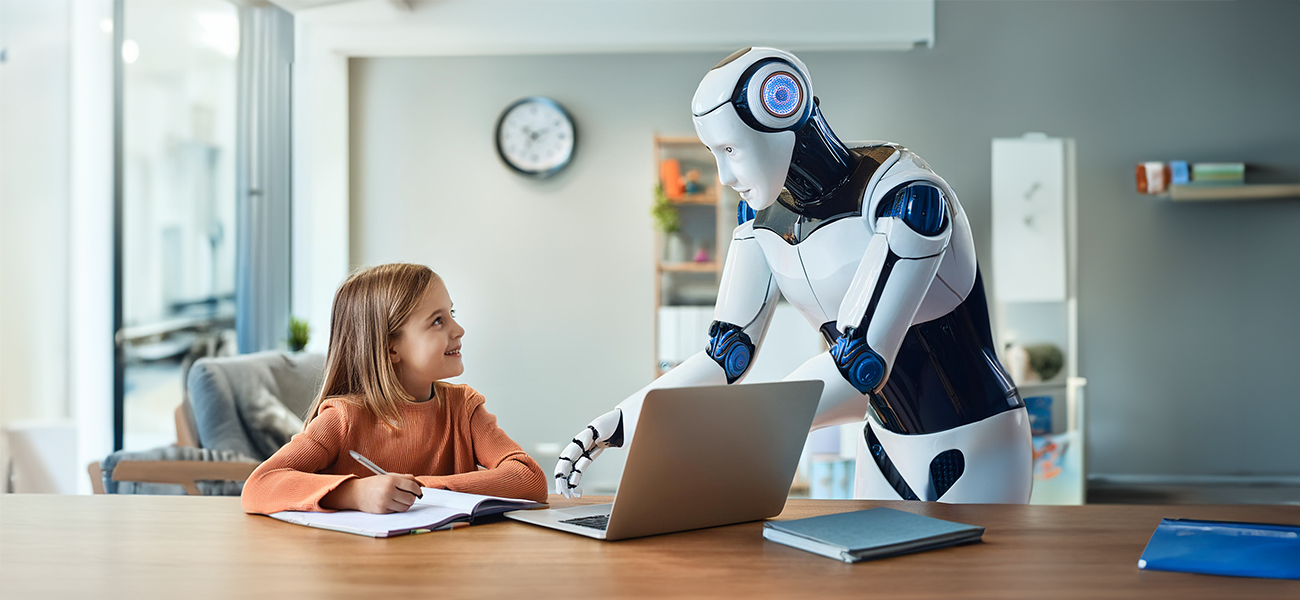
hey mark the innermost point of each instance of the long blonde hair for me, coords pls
(369, 310)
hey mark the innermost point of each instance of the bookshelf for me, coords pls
(688, 262)
(1252, 191)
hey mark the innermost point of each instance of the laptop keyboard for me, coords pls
(600, 522)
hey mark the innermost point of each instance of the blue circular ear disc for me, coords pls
(781, 94)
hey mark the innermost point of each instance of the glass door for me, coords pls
(176, 213)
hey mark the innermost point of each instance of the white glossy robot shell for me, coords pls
(722, 82)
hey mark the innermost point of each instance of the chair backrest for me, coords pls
(253, 403)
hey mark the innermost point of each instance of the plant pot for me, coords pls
(677, 247)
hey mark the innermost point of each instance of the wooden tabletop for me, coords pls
(196, 547)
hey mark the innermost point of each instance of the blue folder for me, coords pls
(1224, 548)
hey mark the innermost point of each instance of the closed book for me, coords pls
(869, 534)
(1224, 548)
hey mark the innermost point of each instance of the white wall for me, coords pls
(34, 169)
(551, 279)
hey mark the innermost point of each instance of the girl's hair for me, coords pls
(369, 310)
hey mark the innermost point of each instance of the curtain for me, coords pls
(263, 156)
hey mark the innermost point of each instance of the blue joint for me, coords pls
(921, 206)
(857, 362)
(731, 348)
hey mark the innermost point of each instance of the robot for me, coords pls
(874, 250)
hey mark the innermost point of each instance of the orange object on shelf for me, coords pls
(1153, 177)
(670, 174)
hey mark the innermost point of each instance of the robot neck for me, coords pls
(821, 163)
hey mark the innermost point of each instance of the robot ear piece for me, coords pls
(778, 96)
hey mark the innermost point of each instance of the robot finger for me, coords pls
(585, 440)
(575, 484)
(581, 465)
(563, 466)
(590, 456)
(569, 455)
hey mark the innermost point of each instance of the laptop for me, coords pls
(701, 457)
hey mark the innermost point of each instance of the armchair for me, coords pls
(239, 411)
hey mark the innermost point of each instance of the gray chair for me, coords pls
(242, 410)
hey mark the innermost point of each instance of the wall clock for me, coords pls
(535, 136)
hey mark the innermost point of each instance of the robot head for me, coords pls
(747, 110)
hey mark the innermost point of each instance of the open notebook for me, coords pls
(437, 509)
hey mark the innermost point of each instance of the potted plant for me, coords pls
(298, 334)
(669, 221)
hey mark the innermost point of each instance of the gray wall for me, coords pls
(1187, 312)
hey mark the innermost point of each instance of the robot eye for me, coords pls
(781, 94)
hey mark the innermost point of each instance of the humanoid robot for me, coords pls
(874, 250)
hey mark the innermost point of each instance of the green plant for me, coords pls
(298, 334)
(1046, 360)
(667, 219)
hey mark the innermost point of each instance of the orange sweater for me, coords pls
(441, 443)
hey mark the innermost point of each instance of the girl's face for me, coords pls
(427, 347)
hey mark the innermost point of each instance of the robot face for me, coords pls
(751, 162)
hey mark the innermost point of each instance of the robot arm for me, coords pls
(746, 300)
(912, 231)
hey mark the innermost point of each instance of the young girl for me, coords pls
(393, 337)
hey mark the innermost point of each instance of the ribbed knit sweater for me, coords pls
(441, 441)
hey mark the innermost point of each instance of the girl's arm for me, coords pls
(508, 470)
(289, 480)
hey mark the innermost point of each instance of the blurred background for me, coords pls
(187, 180)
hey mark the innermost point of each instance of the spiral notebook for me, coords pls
(438, 509)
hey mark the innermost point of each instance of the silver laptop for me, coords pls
(701, 457)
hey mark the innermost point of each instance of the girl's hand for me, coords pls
(378, 494)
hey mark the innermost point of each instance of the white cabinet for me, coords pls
(1035, 302)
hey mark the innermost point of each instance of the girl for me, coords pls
(393, 337)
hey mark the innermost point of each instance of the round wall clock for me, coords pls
(535, 136)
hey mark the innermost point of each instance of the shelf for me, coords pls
(671, 140)
(1256, 191)
(688, 267)
(705, 198)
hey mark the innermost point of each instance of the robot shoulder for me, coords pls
(743, 231)
(911, 181)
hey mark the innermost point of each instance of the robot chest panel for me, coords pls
(814, 275)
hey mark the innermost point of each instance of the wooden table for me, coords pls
(194, 547)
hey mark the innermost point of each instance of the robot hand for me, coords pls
(605, 432)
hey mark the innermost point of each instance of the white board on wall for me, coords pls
(1029, 188)
(505, 27)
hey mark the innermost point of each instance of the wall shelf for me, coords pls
(1256, 191)
(689, 267)
(704, 198)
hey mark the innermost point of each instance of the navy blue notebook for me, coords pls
(1224, 548)
(871, 533)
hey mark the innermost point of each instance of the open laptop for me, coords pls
(701, 457)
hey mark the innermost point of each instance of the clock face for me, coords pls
(535, 136)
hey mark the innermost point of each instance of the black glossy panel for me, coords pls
(820, 162)
(794, 221)
(887, 467)
(945, 470)
(946, 373)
